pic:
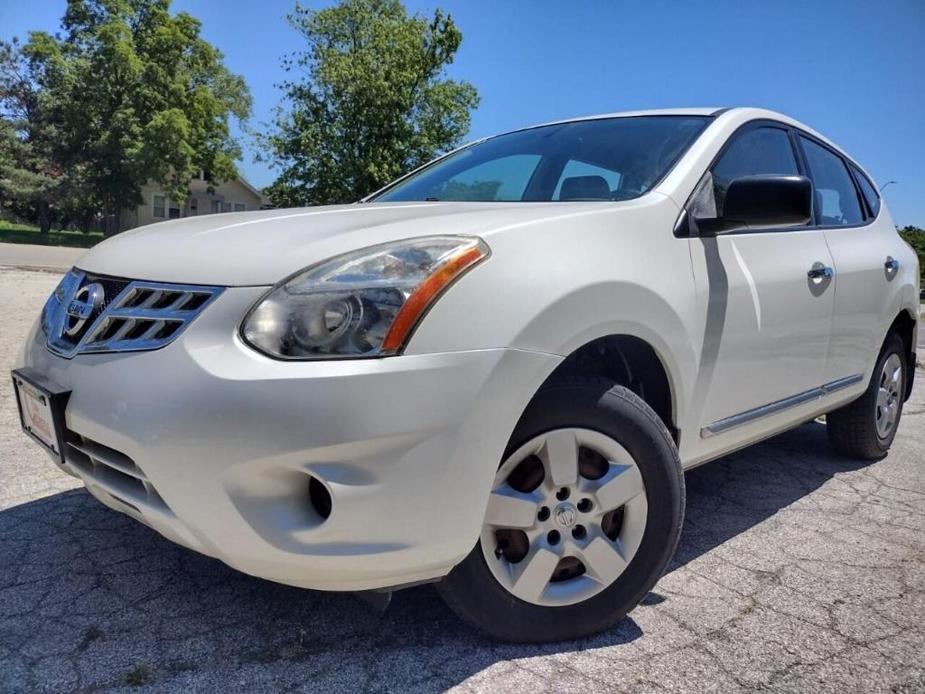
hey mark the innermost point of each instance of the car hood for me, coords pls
(262, 248)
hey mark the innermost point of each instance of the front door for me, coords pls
(766, 299)
(767, 322)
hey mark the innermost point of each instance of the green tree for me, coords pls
(136, 95)
(368, 101)
(915, 237)
(30, 181)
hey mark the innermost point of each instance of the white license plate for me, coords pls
(41, 410)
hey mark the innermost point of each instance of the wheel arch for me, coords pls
(627, 332)
(630, 361)
(904, 325)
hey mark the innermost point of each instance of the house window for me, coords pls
(216, 206)
(226, 207)
(240, 207)
(160, 205)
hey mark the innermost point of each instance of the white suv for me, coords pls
(493, 372)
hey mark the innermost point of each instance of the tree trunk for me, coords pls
(44, 219)
(113, 223)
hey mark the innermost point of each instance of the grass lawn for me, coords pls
(11, 232)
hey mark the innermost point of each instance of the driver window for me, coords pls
(764, 150)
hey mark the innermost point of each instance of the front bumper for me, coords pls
(213, 445)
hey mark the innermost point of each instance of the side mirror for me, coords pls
(763, 201)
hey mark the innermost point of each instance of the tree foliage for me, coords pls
(368, 100)
(133, 94)
(915, 237)
(32, 185)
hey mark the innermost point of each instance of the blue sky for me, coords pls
(852, 69)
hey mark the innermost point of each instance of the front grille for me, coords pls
(115, 472)
(90, 313)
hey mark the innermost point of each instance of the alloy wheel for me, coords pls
(889, 395)
(566, 515)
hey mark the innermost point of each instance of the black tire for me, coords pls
(852, 429)
(472, 591)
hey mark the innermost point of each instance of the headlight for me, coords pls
(66, 287)
(361, 304)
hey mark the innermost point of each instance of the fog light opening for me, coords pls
(320, 498)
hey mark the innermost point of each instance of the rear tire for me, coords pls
(865, 428)
(623, 456)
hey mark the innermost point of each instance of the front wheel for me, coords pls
(865, 428)
(584, 515)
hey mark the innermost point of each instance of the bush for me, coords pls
(915, 237)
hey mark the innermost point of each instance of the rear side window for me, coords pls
(764, 150)
(868, 191)
(836, 198)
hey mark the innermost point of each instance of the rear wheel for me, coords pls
(866, 427)
(583, 517)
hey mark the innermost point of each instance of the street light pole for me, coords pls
(886, 184)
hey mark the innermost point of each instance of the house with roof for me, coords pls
(236, 195)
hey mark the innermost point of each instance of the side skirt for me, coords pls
(722, 425)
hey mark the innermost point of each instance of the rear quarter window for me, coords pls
(871, 196)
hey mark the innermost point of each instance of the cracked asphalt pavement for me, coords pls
(798, 570)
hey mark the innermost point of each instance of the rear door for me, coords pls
(766, 322)
(859, 240)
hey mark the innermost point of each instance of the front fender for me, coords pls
(616, 308)
(556, 285)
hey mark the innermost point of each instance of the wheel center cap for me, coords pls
(565, 515)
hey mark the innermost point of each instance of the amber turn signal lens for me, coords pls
(414, 307)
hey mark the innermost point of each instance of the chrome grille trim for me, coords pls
(142, 316)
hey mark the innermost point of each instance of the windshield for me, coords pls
(602, 159)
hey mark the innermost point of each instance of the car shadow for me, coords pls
(90, 598)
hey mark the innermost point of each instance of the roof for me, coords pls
(702, 111)
(737, 113)
(244, 182)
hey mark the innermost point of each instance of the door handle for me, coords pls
(891, 264)
(820, 271)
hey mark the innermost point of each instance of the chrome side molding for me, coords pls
(722, 425)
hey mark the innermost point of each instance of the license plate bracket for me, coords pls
(41, 406)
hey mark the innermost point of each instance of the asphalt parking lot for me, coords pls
(798, 570)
